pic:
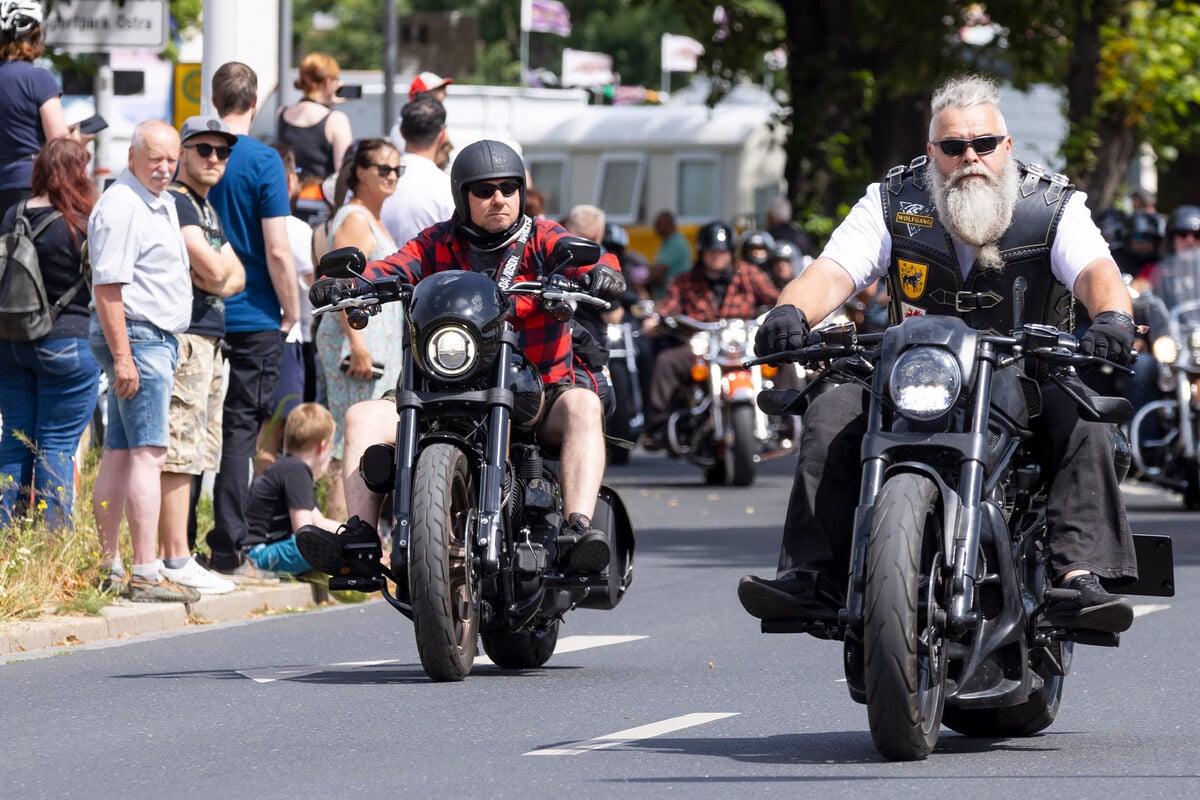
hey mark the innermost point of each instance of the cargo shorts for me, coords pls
(197, 403)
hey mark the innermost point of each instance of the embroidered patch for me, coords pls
(912, 278)
(914, 216)
(912, 311)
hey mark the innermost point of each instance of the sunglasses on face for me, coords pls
(484, 191)
(384, 170)
(206, 150)
(982, 145)
(1186, 234)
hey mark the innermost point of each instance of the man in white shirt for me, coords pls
(422, 197)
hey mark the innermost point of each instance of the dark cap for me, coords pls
(194, 126)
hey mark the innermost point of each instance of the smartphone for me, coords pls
(350, 92)
(93, 124)
(376, 367)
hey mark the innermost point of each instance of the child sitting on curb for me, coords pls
(282, 499)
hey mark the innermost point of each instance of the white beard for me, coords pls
(973, 211)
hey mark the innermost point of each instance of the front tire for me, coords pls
(904, 647)
(442, 585)
(741, 449)
(521, 650)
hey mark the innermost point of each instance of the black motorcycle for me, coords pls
(949, 574)
(477, 507)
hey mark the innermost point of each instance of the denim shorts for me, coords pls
(142, 420)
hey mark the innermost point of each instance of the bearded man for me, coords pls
(953, 232)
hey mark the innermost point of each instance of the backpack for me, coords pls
(25, 312)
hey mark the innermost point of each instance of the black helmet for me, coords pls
(616, 240)
(1149, 227)
(716, 235)
(1114, 226)
(481, 161)
(1185, 218)
(756, 240)
(784, 251)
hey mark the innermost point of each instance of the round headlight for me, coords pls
(451, 352)
(925, 382)
(699, 343)
(1165, 350)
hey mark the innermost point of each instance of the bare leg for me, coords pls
(108, 500)
(173, 514)
(574, 422)
(335, 491)
(143, 501)
(367, 423)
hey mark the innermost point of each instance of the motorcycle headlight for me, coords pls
(733, 337)
(451, 352)
(1165, 350)
(699, 343)
(925, 382)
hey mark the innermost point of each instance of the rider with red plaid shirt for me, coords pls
(489, 226)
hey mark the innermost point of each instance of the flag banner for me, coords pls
(545, 16)
(679, 53)
(584, 68)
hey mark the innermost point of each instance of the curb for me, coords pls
(124, 618)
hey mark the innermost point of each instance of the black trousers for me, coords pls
(253, 359)
(671, 370)
(1085, 514)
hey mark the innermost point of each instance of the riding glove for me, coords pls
(784, 328)
(603, 282)
(322, 292)
(1110, 337)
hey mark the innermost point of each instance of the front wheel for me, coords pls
(442, 584)
(904, 645)
(740, 451)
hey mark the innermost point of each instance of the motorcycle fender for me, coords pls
(951, 503)
(612, 517)
(738, 386)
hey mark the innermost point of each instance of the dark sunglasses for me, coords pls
(982, 145)
(205, 150)
(384, 170)
(1186, 234)
(484, 191)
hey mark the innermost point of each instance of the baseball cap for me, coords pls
(194, 126)
(427, 82)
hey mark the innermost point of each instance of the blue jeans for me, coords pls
(280, 556)
(47, 395)
(142, 420)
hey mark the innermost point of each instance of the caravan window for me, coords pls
(550, 176)
(698, 186)
(620, 186)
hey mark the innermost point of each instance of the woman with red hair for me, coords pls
(48, 386)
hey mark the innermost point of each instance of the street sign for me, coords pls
(98, 26)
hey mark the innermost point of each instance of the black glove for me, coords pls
(322, 292)
(784, 328)
(602, 282)
(1110, 337)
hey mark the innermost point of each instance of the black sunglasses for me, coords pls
(982, 145)
(205, 150)
(384, 170)
(484, 191)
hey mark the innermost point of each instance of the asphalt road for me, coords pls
(673, 694)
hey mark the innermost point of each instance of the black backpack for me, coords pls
(25, 312)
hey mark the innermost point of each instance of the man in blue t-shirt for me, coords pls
(252, 202)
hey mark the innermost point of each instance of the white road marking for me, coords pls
(632, 734)
(568, 644)
(1143, 609)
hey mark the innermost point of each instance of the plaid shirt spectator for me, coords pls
(441, 247)
(692, 294)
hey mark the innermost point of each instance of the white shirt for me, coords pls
(422, 198)
(862, 244)
(134, 240)
(300, 238)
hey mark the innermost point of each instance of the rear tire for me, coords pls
(743, 446)
(522, 650)
(904, 650)
(442, 585)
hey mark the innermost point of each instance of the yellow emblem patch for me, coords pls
(919, 220)
(912, 278)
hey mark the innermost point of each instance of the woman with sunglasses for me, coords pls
(360, 365)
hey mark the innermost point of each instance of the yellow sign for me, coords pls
(187, 92)
(912, 278)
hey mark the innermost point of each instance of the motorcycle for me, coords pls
(628, 420)
(719, 427)
(1164, 432)
(477, 506)
(949, 569)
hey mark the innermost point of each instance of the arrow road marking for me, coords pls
(568, 644)
(632, 734)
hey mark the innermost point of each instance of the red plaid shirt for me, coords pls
(690, 293)
(440, 247)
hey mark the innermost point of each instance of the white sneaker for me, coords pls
(197, 577)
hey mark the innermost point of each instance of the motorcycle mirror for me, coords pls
(574, 251)
(344, 262)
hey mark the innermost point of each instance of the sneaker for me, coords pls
(327, 552)
(249, 574)
(197, 577)
(164, 591)
(116, 585)
(588, 549)
(1092, 608)
(797, 596)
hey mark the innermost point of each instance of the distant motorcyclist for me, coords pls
(756, 248)
(716, 288)
(953, 231)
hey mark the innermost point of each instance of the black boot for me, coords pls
(1092, 608)
(354, 550)
(586, 548)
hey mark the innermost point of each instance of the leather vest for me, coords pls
(924, 276)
